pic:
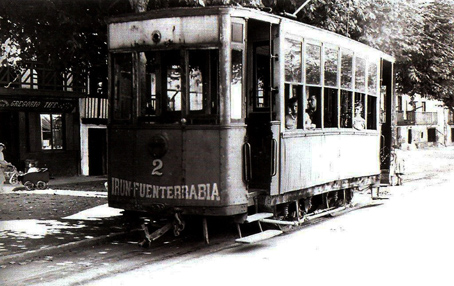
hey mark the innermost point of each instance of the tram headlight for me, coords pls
(156, 36)
(158, 146)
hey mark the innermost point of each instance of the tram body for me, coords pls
(199, 110)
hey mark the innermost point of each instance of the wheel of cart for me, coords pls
(11, 174)
(35, 180)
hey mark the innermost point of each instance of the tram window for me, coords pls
(237, 32)
(203, 69)
(293, 60)
(312, 111)
(346, 109)
(372, 77)
(197, 73)
(359, 114)
(237, 85)
(360, 75)
(173, 73)
(162, 99)
(293, 96)
(346, 69)
(150, 100)
(122, 80)
(330, 107)
(313, 63)
(331, 63)
(371, 112)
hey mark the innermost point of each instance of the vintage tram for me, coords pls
(230, 111)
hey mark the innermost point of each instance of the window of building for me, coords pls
(52, 131)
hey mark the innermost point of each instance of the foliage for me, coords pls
(63, 33)
(427, 67)
(69, 33)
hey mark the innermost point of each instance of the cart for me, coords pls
(38, 180)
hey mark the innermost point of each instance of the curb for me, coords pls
(60, 248)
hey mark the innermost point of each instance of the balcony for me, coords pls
(417, 118)
(35, 79)
(94, 110)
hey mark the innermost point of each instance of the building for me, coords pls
(423, 122)
(46, 119)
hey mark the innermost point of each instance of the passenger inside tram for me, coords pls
(292, 113)
(309, 113)
(359, 123)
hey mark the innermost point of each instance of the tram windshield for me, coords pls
(171, 85)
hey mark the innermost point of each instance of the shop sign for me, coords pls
(37, 105)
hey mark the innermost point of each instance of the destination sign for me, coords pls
(203, 192)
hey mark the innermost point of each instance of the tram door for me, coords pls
(260, 105)
(387, 107)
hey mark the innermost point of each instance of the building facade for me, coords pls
(423, 122)
(45, 119)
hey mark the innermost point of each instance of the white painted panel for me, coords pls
(184, 30)
(315, 160)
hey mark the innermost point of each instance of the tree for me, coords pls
(62, 33)
(431, 66)
(68, 33)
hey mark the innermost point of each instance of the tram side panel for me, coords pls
(194, 174)
(121, 167)
(319, 159)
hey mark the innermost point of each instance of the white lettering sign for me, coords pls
(204, 192)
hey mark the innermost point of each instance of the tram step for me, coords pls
(259, 236)
(258, 216)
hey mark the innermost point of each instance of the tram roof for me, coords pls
(242, 12)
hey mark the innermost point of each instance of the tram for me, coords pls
(234, 112)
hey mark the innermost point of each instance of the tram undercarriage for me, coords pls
(282, 213)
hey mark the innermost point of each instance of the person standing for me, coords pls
(3, 165)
